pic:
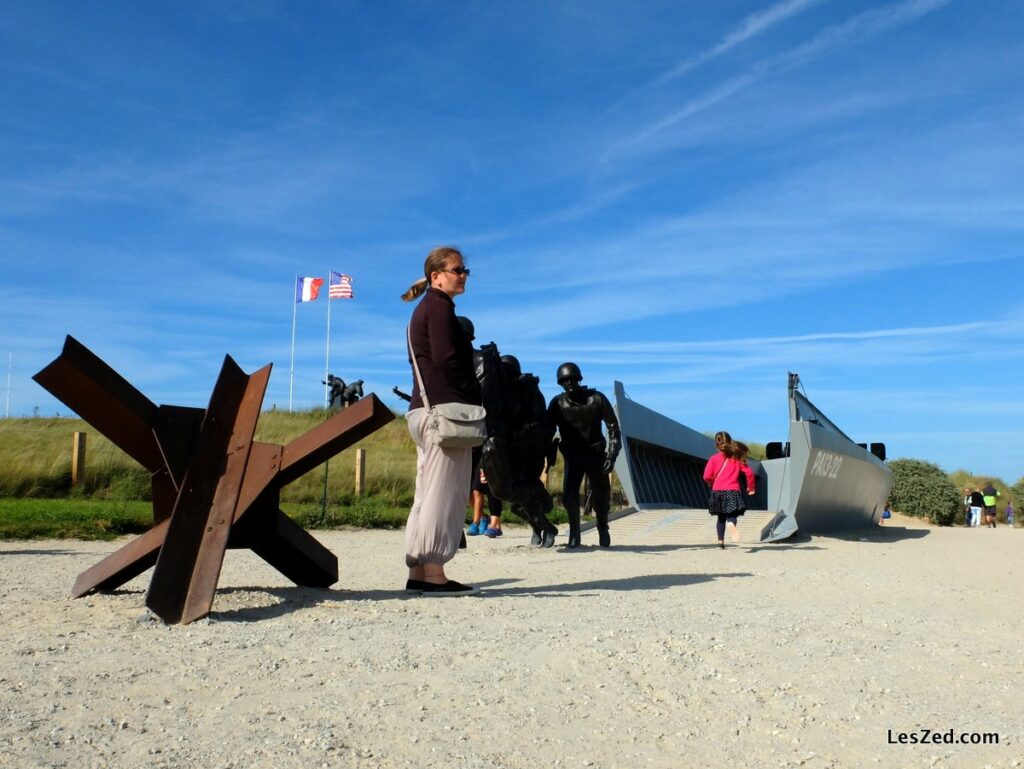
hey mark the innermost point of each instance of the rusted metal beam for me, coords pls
(188, 567)
(260, 475)
(333, 436)
(104, 399)
(176, 432)
(295, 553)
(123, 565)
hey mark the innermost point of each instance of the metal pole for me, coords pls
(323, 499)
(291, 375)
(327, 357)
(327, 390)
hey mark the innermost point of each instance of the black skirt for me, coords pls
(726, 503)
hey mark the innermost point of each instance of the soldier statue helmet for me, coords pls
(467, 326)
(511, 364)
(569, 375)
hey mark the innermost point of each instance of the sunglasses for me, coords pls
(459, 271)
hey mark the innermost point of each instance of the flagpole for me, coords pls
(10, 360)
(291, 374)
(327, 360)
(327, 389)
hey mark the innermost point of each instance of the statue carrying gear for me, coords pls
(527, 440)
(351, 393)
(577, 414)
(512, 457)
(336, 387)
(345, 395)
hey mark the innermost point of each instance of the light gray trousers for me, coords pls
(434, 528)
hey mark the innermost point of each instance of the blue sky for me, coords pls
(691, 197)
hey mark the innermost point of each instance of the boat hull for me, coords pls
(827, 484)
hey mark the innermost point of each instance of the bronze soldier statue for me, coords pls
(577, 414)
(336, 387)
(351, 393)
(525, 441)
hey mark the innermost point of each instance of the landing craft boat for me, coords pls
(818, 482)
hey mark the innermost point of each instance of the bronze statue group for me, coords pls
(344, 395)
(521, 439)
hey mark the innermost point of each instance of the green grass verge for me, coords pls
(72, 518)
(97, 519)
(92, 519)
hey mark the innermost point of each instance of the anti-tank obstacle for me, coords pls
(214, 487)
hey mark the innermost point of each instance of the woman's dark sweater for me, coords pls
(443, 352)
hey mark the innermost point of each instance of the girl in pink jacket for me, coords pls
(722, 474)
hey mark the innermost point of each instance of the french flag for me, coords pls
(307, 289)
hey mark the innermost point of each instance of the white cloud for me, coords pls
(753, 25)
(864, 26)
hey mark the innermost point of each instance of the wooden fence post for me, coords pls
(77, 458)
(360, 471)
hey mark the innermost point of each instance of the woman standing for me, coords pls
(722, 473)
(443, 352)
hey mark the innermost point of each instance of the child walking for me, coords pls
(886, 513)
(722, 474)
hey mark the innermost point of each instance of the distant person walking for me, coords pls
(990, 494)
(886, 513)
(722, 474)
(441, 351)
(1009, 513)
(977, 505)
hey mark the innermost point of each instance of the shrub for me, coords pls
(1017, 496)
(923, 490)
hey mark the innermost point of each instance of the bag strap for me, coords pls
(416, 367)
(721, 469)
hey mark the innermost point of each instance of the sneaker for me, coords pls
(475, 528)
(492, 533)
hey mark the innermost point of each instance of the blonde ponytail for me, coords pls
(415, 290)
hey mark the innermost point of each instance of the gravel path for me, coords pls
(668, 654)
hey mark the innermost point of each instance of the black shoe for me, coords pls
(604, 539)
(721, 546)
(548, 538)
(451, 587)
(415, 585)
(536, 539)
(462, 542)
(574, 539)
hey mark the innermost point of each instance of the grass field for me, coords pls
(35, 462)
(72, 518)
(37, 499)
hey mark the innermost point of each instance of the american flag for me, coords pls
(340, 287)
